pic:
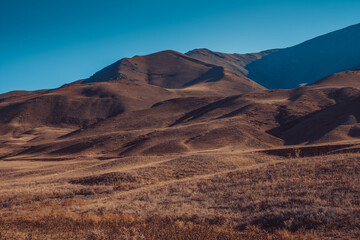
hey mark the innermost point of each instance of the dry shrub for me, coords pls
(300, 219)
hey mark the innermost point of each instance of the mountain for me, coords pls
(301, 64)
(174, 103)
(173, 70)
(127, 85)
(123, 90)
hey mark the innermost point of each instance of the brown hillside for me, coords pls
(342, 79)
(185, 125)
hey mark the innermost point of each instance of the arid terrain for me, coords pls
(187, 146)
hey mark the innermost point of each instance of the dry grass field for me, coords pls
(234, 195)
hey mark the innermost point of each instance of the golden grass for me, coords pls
(60, 224)
(203, 196)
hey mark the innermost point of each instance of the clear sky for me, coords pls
(47, 43)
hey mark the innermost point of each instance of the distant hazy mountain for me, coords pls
(304, 63)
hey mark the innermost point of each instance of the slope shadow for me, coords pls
(212, 75)
(197, 113)
(316, 125)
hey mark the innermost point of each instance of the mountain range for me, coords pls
(174, 103)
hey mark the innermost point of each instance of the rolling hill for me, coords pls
(85, 119)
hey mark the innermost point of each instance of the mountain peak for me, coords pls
(198, 50)
(173, 70)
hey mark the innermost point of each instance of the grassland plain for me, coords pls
(235, 195)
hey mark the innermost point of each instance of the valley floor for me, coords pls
(233, 195)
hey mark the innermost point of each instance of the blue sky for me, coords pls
(45, 44)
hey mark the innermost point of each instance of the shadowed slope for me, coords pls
(336, 122)
(236, 62)
(309, 61)
(301, 64)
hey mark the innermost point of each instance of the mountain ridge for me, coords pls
(171, 103)
(290, 67)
